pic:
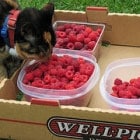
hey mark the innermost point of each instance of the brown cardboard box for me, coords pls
(40, 120)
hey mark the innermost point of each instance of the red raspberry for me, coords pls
(76, 77)
(61, 34)
(117, 81)
(69, 74)
(53, 71)
(37, 72)
(88, 30)
(80, 84)
(70, 67)
(66, 40)
(72, 38)
(47, 78)
(70, 46)
(47, 86)
(67, 25)
(87, 40)
(114, 94)
(93, 36)
(84, 78)
(60, 28)
(61, 72)
(43, 67)
(60, 41)
(81, 60)
(91, 45)
(99, 30)
(80, 37)
(38, 83)
(57, 46)
(67, 31)
(89, 69)
(54, 80)
(137, 84)
(29, 76)
(54, 57)
(78, 45)
(77, 28)
(69, 86)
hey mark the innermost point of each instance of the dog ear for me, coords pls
(47, 12)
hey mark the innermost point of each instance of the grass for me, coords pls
(118, 6)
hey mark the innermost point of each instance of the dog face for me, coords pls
(34, 34)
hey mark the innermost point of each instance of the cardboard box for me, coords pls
(40, 120)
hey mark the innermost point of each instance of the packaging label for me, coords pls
(92, 129)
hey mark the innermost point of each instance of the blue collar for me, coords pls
(4, 31)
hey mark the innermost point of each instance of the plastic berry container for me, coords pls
(87, 46)
(78, 97)
(125, 69)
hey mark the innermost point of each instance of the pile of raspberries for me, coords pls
(124, 89)
(59, 72)
(76, 37)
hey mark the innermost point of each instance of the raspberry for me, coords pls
(57, 46)
(66, 40)
(99, 30)
(29, 76)
(72, 38)
(61, 34)
(54, 80)
(69, 74)
(87, 40)
(60, 28)
(70, 46)
(89, 69)
(60, 41)
(69, 86)
(47, 78)
(80, 37)
(93, 36)
(117, 81)
(76, 77)
(67, 25)
(77, 28)
(37, 72)
(43, 67)
(37, 83)
(61, 72)
(53, 71)
(78, 45)
(67, 31)
(84, 78)
(88, 30)
(91, 45)
(70, 67)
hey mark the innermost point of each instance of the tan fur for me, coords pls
(47, 37)
(23, 54)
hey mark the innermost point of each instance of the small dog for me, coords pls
(24, 34)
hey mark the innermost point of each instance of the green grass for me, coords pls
(118, 6)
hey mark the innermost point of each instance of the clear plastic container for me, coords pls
(95, 50)
(124, 69)
(77, 97)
